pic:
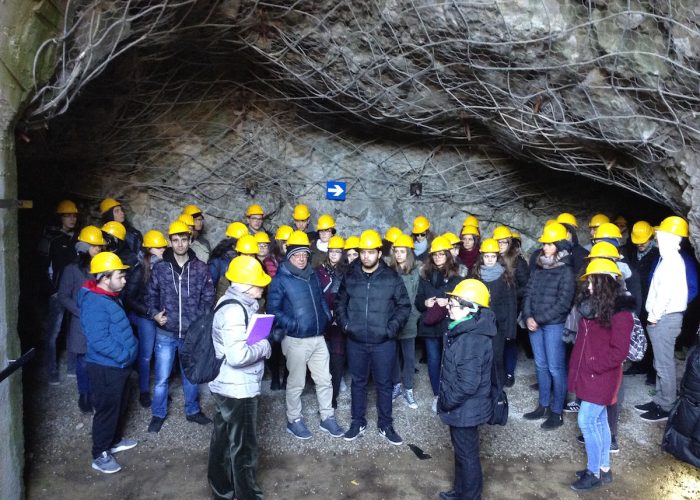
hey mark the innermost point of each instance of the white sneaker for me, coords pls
(408, 397)
(343, 385)
(395, 392)
(435, 404)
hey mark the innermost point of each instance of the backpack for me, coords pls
(197, 354)
(638, 341)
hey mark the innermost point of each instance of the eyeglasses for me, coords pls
(420, 235)
(453, 305)
(440, 254)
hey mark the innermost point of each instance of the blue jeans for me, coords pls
(549, 351)
(408, 353)
(81, 374)
(468, 476)
(146, 329)
(379, 358)
(166, 347)
(593, 421)
(52, 325)
(433, 352)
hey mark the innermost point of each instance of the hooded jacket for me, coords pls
(550, 291)
(185, 293)
(296, 300)
(372, 308)
(72, 281)
(110, 340)
(595, 366)
(465, 375)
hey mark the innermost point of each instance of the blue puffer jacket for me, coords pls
(185, 293)
(296, 300)
(110, 340)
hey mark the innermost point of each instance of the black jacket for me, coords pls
(550, 292)
(504, 306)
(435, 286)
(465, 377)
(372, 309)
(522, 275)
(134, 294)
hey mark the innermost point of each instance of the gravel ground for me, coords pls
(58, 434)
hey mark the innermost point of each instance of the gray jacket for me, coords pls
(72, 279)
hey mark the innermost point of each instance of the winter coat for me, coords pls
(504, 306)
(691, 273)
(134, 239)
(435, 286)
(329, 278)
(522, 276)
(134, 293)
(465, 374)
(644, 267)
(110, 340)
(372, 308)
(56, 250)
(243, 367)
(550, 292)
(296, 300)
(595, 366)
(201, 249)
(185, 293)
(219, 265)
(682, 435)
(72, 281)
(411, 281)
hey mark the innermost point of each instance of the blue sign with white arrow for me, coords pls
(335, 190)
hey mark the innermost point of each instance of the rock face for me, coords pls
(471, 99)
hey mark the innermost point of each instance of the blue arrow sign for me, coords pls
(335, 190)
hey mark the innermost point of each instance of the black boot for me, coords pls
(84, 403)
(553, 421)
(537, 413)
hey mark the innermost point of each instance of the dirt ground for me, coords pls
(519, 460)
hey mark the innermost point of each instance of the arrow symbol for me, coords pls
(336, 190)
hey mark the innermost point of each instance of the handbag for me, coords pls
(638, 341)
(499, 401)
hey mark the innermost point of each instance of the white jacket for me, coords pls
(668, 291)
(244, 365)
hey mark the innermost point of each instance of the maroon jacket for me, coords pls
(595, 368)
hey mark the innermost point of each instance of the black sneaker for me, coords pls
(605, 477)
(199, 418)
(655, 415)
(156, 424)
(580, 439)
(145, 399)
(535, 386)
(634, 369)
(450, 495)
(84, 403)
(553, 421)
(587, 481)
(650, 381)
(390, 434)
(275, 385)
(645, 407)
(510, 380)
(537, 413)
(354, 432)
(614, 448)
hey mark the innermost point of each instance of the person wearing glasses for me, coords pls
(422, 237)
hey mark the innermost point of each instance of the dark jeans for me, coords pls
(110, 396)
(498, 342)
(52, 327)
(233, 452)
(81, 374)
(277, 362)
(146, 330)
(510, 356)
(408, 356)
(379, 358)
(433, 351)
(336, 365)
(468, 479)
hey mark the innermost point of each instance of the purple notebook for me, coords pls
(259, 327)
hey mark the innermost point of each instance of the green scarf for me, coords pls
(458, 321)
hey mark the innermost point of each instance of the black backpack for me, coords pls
(197, 354)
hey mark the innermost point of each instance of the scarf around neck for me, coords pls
(491, 273)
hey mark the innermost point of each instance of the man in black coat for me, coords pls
(372, 306)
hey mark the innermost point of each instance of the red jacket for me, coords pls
(595, 368)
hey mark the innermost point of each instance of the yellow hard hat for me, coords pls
(254, 210)
(301, 212)
(601, 266)
(247, 245)
(607, 230)
(352, 243)
(674, 225)
(236, 230)
(404, 240)
(440, 244)
(247, 270)
(420, 224)
(501, 233)
(154, 239)
(299, 238)
(370, 240)
(470, 220)
(336, 242)
(515, 236)
(116, 229)
(187, 219)
(262, 237)
(283, 232)
(178, 227)
(598, 219)
(567, 218)
(66, 207)
(552, 233)
(469, 229)
(451, 237)
(642, 232)
(473, 291)
(605, 250)
(191, 210)
(108, 203)
(91, 235)
(106, 261)
(392, 233)
(489, 245)
(325, 222)
(549, 221)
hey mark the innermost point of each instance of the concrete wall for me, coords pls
(24, 25)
